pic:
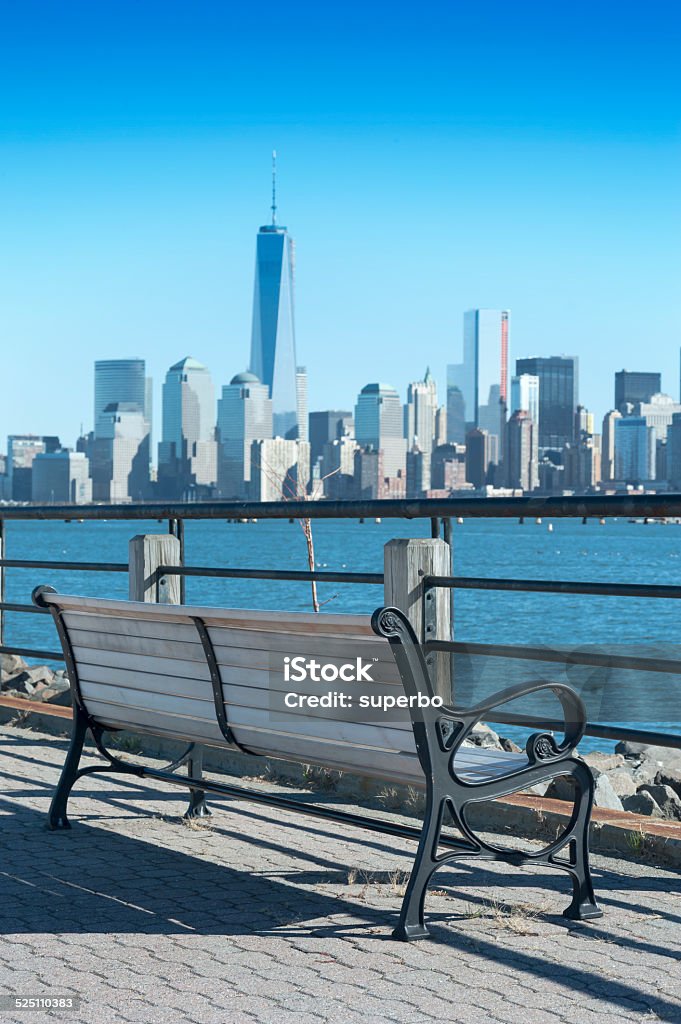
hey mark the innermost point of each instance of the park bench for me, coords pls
(214, 677)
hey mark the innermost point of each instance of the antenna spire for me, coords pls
(274, 187)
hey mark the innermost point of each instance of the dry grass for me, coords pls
(198, 824)
(398, 881)
(519, 918)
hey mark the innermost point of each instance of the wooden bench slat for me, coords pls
(185, 631)
(149, 682)
(162, 703)
(342, 648)
(302, 622)
(163, 666)
(151, 647)
(181, 726)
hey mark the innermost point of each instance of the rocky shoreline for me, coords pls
(33, 682)
(636, 778)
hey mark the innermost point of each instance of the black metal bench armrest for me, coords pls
(541, 746)
(409, 655)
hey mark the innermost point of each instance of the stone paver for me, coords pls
(265, 916)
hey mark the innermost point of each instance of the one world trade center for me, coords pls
(273, 341)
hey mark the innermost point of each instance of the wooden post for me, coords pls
(146, 554)
(407, 561)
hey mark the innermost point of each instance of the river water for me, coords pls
(618, 551)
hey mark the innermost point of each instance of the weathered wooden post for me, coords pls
(146, 554)
(406, 563)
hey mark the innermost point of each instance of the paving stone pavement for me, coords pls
(265, 916)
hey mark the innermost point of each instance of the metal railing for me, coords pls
(440, 512)
(595, 659)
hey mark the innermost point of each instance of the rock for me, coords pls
(603, 762)
(54, 695)
(645, 773)
(539, 789)
(561, 788)
(483, 736)
(643, 752)
(666, 799)
(622, 782)
(669, 777)
(509, 746)
(642, 803)
(11, 665)
(30, 680)
(605, 795)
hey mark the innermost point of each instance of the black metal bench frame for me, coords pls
(438, 732)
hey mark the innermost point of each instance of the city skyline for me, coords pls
(131, 195)
(235, 449)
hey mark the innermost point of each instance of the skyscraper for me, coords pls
(558, 398)
(632, 387)
(121, 380)
(658, 413)
(338, 467)
(280, 469)
(482, 377)
(673, 473)
(420, 413)
(273, 339)
(525, 396)
(120, 454)
(187, 454)
(456, 407)
(521, 462)
(301, 403)
(481, 456)
(634, 449)
(61, 477)
(378, 426)
(608, 444)
(244, 416)
(22, 449)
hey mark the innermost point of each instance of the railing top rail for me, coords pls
(292, 575)
(603, 588)
(649, 506)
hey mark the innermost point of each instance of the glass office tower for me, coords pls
(481, 380)
(273, 340)
(120, 380)
(632, 387)
(558, 398)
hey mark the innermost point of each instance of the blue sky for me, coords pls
(432, 157)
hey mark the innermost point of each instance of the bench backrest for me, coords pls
(144, 667)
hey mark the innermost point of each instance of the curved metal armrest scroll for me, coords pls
(541, 746)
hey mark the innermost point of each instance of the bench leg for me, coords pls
(198, 808)
(583, 906)
(412, 924)
(57, 817)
